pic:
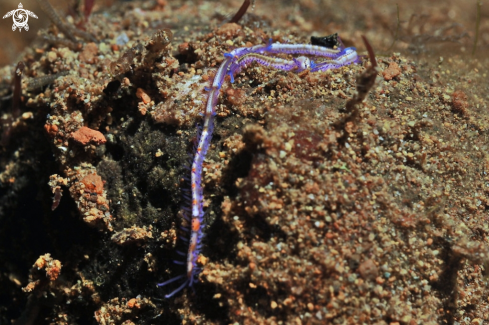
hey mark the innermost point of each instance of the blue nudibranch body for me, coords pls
(233, 63)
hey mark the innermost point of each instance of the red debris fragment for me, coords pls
(86, 135)
(183, 48)
(392, 71)
(51, 129)
(141, 94)
(93, 183)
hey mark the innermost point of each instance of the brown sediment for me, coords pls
(87, 189)
(131, 235)
(37, 282)
(320, 211)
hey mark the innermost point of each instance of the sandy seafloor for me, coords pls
(314, 216)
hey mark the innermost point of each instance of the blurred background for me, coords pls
(419, 23)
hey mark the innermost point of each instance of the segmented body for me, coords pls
(345, 57)
(232, 64)
(299, 64)
(304, 49)
(295, 49)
